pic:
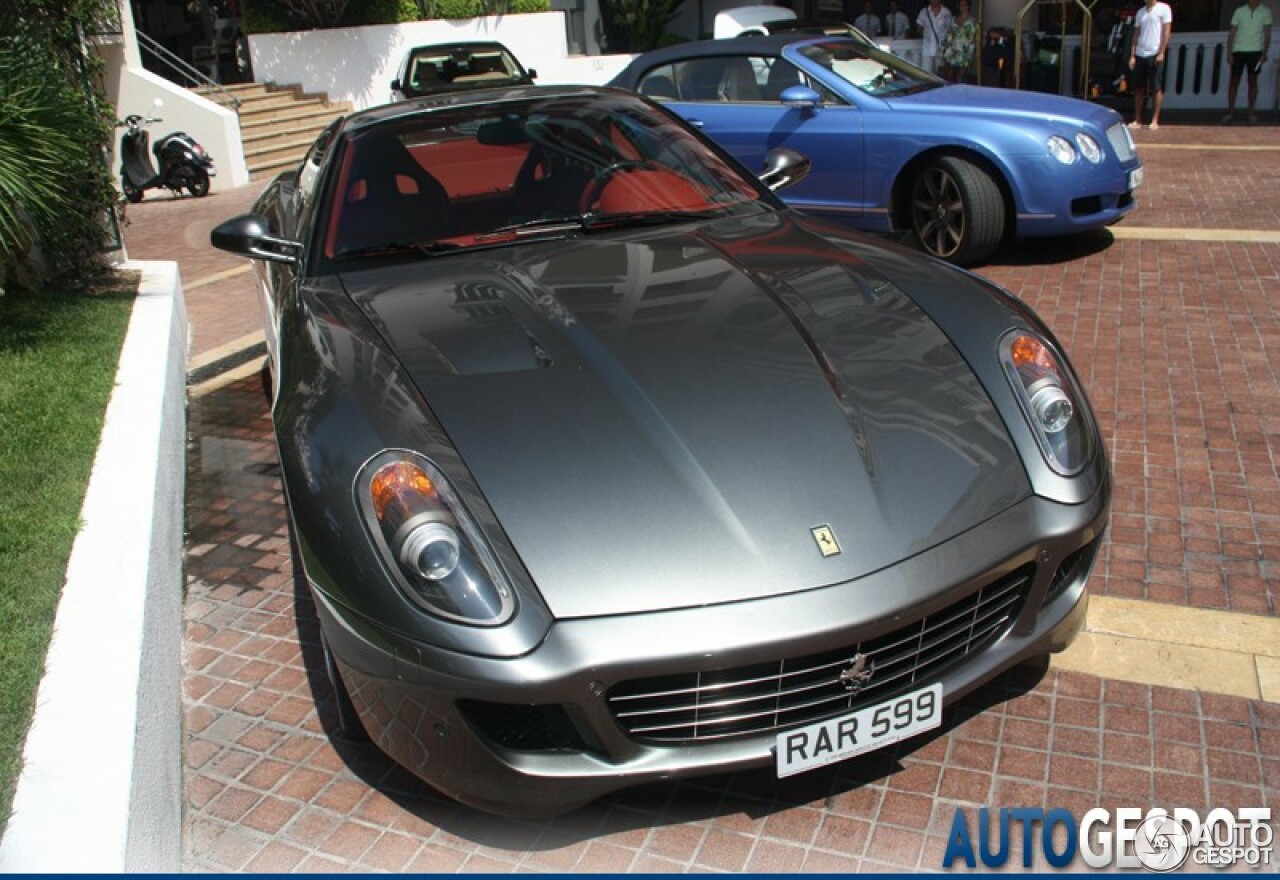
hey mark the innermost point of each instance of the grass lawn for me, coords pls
(58, 357)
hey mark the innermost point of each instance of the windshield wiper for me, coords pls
(536, 227)
(645, 218)
(422, 249)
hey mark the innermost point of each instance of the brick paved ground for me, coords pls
(166, 228)
(1176, 343)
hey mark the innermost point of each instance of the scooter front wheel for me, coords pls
(199, 185)
(131, 192)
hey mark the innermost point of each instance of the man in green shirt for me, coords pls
(1247, 44)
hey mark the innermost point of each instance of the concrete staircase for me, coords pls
(279, 123)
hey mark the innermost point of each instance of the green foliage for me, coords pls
(637, 25)
(266, 17)
(273, 16)
(55, 187)
(58, 356)
(386, 12)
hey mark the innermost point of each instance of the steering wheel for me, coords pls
(595, 187)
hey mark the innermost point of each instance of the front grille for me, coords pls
(1121, 141)
(769, 697)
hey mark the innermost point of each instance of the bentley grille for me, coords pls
(769, 697)
(1121, 141)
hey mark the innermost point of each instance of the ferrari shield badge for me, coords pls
(827, 543)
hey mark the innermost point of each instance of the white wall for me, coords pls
(216, 128)
(358, 64)
(131, 89)
(101, 783)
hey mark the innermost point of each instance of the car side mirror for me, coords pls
(249, 235)
(395, 85)
(533, 74)
(801, 98)
(784, 167)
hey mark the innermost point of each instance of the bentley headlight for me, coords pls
(428, 542)
(1089, 148)
(1050, 401)
(1060, 148)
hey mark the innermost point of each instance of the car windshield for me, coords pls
(435, 69)
(485, 175)
(870, 70)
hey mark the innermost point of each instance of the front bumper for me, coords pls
(414, 698)
(1060, 200)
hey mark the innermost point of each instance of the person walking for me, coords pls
(935, 22)
(896, 24)
(957, 50)
(868, 22)
(1153, 25)
(1247, 45)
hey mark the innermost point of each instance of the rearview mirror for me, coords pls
(800, 98)
(784, 167)
(249, 235)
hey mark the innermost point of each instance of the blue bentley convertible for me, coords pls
(896, 149)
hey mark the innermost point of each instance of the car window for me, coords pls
(309, 169)
(438, 69)
(869, 69)
(736, 79)
(467, 176)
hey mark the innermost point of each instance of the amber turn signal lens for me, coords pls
(1027, 351)
(400, 487)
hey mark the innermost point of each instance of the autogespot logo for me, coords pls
(1158, 840)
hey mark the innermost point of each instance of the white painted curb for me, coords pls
(101, 785)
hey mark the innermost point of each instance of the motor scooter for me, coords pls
(183, 163)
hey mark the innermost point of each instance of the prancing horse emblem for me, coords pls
(827, 543)
(857, 674)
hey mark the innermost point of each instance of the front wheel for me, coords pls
(957, 212)
(198, 186)
(131, 192)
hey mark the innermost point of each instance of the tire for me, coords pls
(131, 192)
(349, 724)
(348, 720)
(957, 212)
(199, 185)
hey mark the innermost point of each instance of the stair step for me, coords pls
(294, 146)
(270, 168)
(278, 123)
(255, 125)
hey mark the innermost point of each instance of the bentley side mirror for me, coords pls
(801, 98)
(784, 167)
(249, 235)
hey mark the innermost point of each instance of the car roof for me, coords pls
(461, 44)
(476, 97)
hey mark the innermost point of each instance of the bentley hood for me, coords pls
(692, 415)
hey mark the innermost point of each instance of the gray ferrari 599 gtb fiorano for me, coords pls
(605, 467)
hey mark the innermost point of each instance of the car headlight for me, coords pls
(1050, 401)
(1060, 148)
(1089, 148)
(429, 543)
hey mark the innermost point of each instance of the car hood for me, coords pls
(670, 418)
(1006, 103)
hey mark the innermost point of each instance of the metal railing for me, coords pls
(189, 76)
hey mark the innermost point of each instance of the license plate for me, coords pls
(868, 729)
(1135, 178)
